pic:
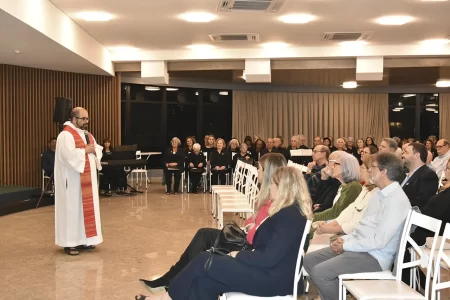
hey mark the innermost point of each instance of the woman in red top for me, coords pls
(205, 237)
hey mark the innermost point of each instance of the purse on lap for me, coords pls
(231, 238)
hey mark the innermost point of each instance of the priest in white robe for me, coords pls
(77, 210)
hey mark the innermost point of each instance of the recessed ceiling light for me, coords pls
(431, 105)
(223, 93)
(436, 42)
(196, 93)
(152, 88)
(201, 47)
(436, 95)
(396, 109)
(171, 89)
(394, 20)
(95, 16)
(443, 83)
(430, 109)
(275, 45)
(353, 43)
(408, 95)
(198, 17)
(297, 18)
(349, 84)
(436, 112)
(17, 51)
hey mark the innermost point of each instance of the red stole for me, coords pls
(86, 186)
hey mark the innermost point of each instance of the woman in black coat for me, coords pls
(266, 271)
(174, 165)
(196, 162)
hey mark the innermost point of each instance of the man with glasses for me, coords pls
(372, 245)
(313, 175)
(440, 162)
(77, 159)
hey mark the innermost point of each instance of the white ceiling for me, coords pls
(37, 50)
(154, 25)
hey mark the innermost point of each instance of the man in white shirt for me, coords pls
(440, 162)
(372, 245)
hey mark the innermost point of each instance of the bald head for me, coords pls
(79, 118)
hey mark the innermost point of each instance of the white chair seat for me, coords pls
(381, 289)
(241, 296)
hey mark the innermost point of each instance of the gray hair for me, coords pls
(177, 140)
(350, 168)
(391, 143)
(392, 164)
(196, 146)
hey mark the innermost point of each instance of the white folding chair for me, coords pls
(297, 275)
(396, 289)
(138, 172)
(442, 260)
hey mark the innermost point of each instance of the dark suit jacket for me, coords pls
(421, 186)
(266, 272)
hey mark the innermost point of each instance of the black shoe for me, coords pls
(160, 282)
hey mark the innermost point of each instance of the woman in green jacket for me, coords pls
(345, 169)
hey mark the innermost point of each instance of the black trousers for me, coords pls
(177, 175)
(218, 176)
(203, 240)
(194, 178)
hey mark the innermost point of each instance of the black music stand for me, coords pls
(125, 152)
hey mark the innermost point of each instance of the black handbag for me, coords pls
(231, 238)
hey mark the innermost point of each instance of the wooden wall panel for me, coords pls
(27, 100)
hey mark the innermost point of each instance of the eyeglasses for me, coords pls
(337, 164)
(439, 147)
(83, 119)
(317, 151)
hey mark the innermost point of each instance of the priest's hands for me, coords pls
(89, 149)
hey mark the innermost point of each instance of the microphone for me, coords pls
(87, 137)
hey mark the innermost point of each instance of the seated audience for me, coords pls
(421, 182)
(196, 166)
(350, 217)
(372, 244)
(248, 140)
(278, 142)
(48, 158)
(259, 147)
(269, 147)
(302, 142)
(327, 142)
(232, 149)
(350, 146)
(173, 162)
(268, 269)
(210, 146)
(243, 155)
(359, 149)
(327, 187)
(219, 163)
(188, 145)
(346, 170)
(340, 144)
(439, 163)
(368, 150)
(388, 145)
(294, 143)
(431, 147)
(114, 177)
(370, 141)
(317, 141)
(320, 157)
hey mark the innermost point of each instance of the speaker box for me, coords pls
(63, 108)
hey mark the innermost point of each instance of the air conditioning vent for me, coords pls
(234, 37)
(251, 5)
(346, 36)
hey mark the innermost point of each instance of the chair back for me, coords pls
(138, 154)
(422, 221)
(441, 256)
(301, 254)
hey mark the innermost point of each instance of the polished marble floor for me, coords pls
(143, 236)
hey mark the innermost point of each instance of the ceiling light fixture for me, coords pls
(430, 109)
(394, 20)
(275, 45)
(443, 83)
(201, 47)
(223, 93)
(17, 51)
(349, 84)
(436, 42)
(431, 105)
(152, 88)
(198, 17)
(436, 112)
(196, 93)
(95, 16)
(396, 109)
(171, 89)
(436, 95)
(297, 18)
(408, 95)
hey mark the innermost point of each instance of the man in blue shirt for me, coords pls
(372, 245)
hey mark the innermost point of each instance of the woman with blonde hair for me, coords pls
(219, 163)
(268, 269)
(205, 237)
(210, 145)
